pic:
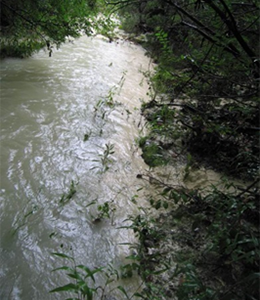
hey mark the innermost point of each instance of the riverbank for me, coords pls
(200, 245)
(199, 241)
(200, 237)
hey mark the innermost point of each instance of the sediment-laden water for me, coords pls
(68, 122)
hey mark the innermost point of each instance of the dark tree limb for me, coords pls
(231, 25)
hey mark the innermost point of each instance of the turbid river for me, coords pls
(67, 122)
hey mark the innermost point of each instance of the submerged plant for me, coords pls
(67, 196)
(83, 279)
(86, 136)
(83, 284)
(105, 210)
(105, 158)
(152, 152)
(108, 101)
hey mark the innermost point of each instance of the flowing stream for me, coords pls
(67, 122)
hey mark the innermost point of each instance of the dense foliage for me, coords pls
(28, 25)
(205, 105)
(204, 246)
(208, 65)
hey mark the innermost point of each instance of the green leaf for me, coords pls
(123, 291)
(87, 291)
(66, 288)
(62, 255)
(76, 275)
(165, 204)
(184, 197)
(91, 203)
(166, 190)
(89, 272)
(139, 295)
(158, 204)
(160, 271)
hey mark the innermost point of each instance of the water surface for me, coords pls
(58, 115)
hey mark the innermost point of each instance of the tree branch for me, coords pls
(231, 24)
(205, 31)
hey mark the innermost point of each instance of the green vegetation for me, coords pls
(28, 25)
(152, 153)
(82, 276)
(103, 211)
(105, 159)
(207, 75)
(206, 245)
(204, 110)
(66, 197)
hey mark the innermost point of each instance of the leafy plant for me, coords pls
(67, 196)
(105, 158)
(83, 284)
(152, 153)
(106, 25)
(101, 108)
(191, 286)
(106, 210)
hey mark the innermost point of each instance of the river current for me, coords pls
(68, 123)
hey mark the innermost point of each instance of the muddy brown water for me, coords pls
(56, 121)
(73, 119)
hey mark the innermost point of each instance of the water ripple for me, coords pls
(48, 106)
